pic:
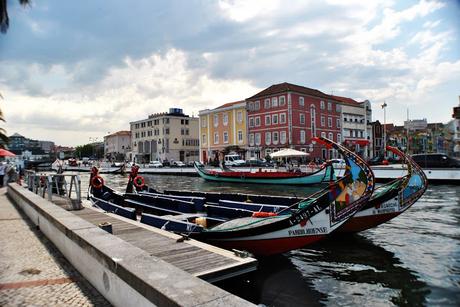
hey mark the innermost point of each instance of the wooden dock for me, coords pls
(202, 260)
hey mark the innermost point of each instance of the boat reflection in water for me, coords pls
(332, 273)
(351, 274)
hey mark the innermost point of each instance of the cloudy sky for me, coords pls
(75, 70)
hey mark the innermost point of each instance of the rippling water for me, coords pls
(412, 260)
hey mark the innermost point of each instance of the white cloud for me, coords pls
(132, 92)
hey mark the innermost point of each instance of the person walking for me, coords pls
(2, 173)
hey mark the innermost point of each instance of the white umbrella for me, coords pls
(288, 152)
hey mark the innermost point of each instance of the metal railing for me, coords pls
(47, 184)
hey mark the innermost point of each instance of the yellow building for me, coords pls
(223, 129)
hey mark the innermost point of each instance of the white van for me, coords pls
(234, 160)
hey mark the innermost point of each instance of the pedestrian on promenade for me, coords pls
(2, 173)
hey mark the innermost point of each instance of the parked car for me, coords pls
(257, 162)
(436, 160)
(155, 164)
(234, 160)
(177, 164)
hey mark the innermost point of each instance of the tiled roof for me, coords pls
(229, 104)
(347, 100)
(285, 87)
(120, 133)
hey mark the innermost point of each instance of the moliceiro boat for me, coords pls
(391, 199)
(324, 174)
(261, 233)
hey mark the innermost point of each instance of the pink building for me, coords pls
(288, 115)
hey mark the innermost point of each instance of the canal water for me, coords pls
(413, 260)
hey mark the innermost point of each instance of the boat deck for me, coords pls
(199, 259)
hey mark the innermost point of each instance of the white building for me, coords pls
(356, 118)
(117, 145)
(171, 136)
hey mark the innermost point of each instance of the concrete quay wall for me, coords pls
(124, 274)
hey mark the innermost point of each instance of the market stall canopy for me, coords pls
(6, 153)
(288, 152)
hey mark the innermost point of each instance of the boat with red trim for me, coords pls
(391, 199)
(261, 233)
(324, 173)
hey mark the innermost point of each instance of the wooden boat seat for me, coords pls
(254, 207)
(110, 207)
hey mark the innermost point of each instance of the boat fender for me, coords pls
(264, 214)
(97, 182)
(139, 182)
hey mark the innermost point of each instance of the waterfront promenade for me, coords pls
(32, 270)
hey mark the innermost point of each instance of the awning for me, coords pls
(360, 142)
(288, 152)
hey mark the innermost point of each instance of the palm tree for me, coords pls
(4, 20)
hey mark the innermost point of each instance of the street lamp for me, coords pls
(384, 107)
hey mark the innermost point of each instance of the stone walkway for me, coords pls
(32, 271)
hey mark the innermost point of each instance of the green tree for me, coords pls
(4, 19)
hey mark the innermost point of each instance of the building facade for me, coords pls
(356, 118)
(223, 129)
(288, 115)
(117, 145)
(377, 139)
(171, 136)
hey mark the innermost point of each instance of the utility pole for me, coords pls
(384, 106)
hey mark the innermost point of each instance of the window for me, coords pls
(239, 116)
(323, 121)
(330, 136)
(282, 100)
(274, 102)
(338, 122)
(268, 138)
(339, 138)
(251, 122)
(301, 101)
(322, 105)
(257, 105)
(282, 118)
(302, 136)
(203, 139)
(275, 137)
(225, 119)
(337, 107)
(313, 120)
(240, 136)
(329, 122)
(274, 119)
(203, 122)
(329, 106)
(267, 120)
(323, 134)
(216, 120)
(257, 121)
(225, 137)
(283, 137)
(302, 118)
(167, 131)
(267, 103)
(257, 138)
(251, 106)
(216, 138)
(251, 139)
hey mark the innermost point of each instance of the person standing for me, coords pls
(2, 173)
